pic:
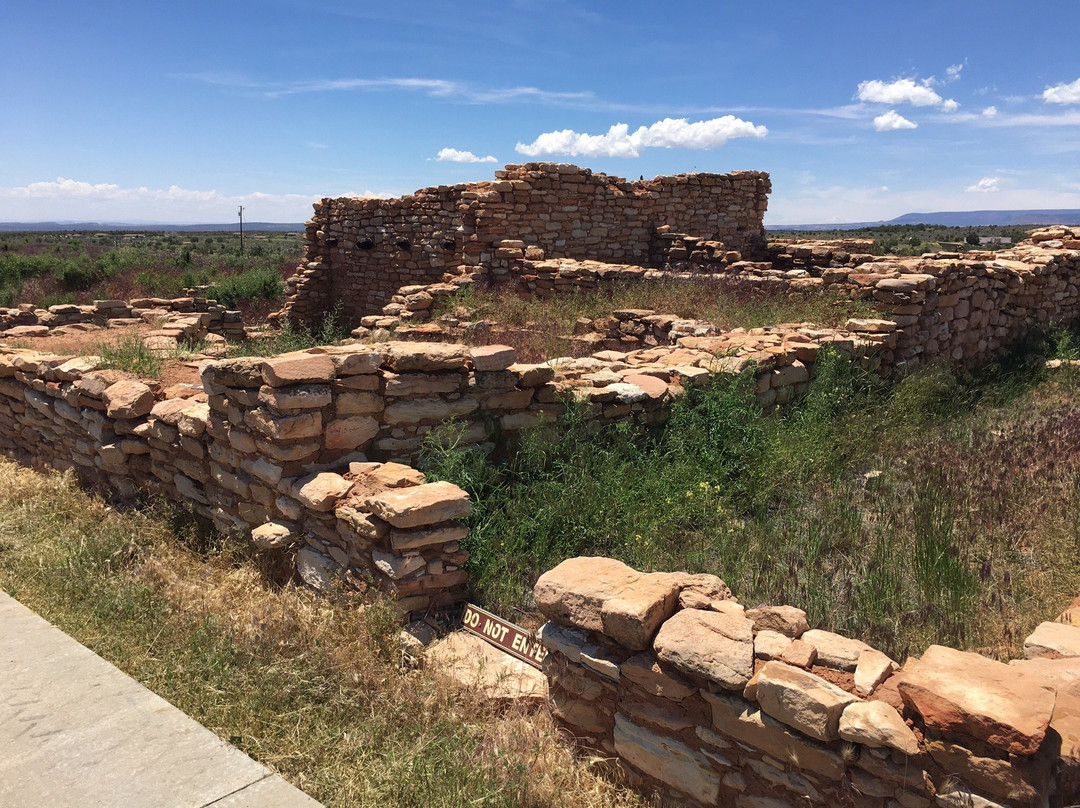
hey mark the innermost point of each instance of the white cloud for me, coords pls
(950, 106)
(76, 200)
(901, 91)
(952, 72)
(619, 141)
(436, 88)
(1063, 93)
(456, 156)
(985, 185)
(990, 112)
(891, 121)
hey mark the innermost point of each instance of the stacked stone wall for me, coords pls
(957, 309)
(185, 318)
(712, 704)
(359, 252)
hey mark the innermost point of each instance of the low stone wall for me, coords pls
(709, 703)
(253, 454)
(945, 307)
(281, 448)
(186, 319)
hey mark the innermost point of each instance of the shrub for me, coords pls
(130, 353)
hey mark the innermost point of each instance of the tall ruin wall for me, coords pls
(359, 252)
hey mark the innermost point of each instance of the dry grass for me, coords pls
(537, 327)
(312, 687)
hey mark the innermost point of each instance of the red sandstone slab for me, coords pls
(961, 694)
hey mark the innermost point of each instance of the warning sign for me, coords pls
(515, 640)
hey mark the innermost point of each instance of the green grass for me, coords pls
(312, 687)
(300, 337)
(130, 353)
(938, 509)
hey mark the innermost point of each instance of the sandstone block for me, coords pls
(274, 535)
(422, 385)
(605, 595)
(395, 566)
(293, 369)
(1053, 640)
(710, 645)
(394, 475)
(420, 505)
(646, 673)
(834, 650)
(443, 534)
(300, 397)
(875, 723)
(770, 644)
(701, 591)
(492, 357)
(802, 700)
(316, 569)
(402, 357)
(358, 402)
(321, 491)
(786, 620)
(960, 694)
(413, 411)
(871, 670)
(192, 420)
(668, 760)
(169, 410)
(583, 714)
(800, 654)
(128, 399)
(284, 427)
(566, 641)
(734, 718)
(1012, 783)
(533, 375)
(353, 432)
(355, 360)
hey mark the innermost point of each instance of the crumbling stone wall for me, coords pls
(359, 252)
(289, 449)
(187, 319)
(712, 704)
(958, 309)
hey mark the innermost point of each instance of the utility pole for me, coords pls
(241, 230)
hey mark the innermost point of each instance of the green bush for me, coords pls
(250, 286)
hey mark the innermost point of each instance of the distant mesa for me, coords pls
(954, 218)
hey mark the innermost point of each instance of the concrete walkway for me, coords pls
(76, 731)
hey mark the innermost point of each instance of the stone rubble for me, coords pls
(176, 320)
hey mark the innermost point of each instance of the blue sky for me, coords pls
(155, 112)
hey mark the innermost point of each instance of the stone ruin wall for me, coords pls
(359, 252)
(279, 448)
(709, 703)
(303, 450)
(181, 319)
(959, 309)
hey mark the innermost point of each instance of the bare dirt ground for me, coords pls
(175, 370)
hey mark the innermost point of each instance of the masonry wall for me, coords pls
(359, 252)
(712, 704)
